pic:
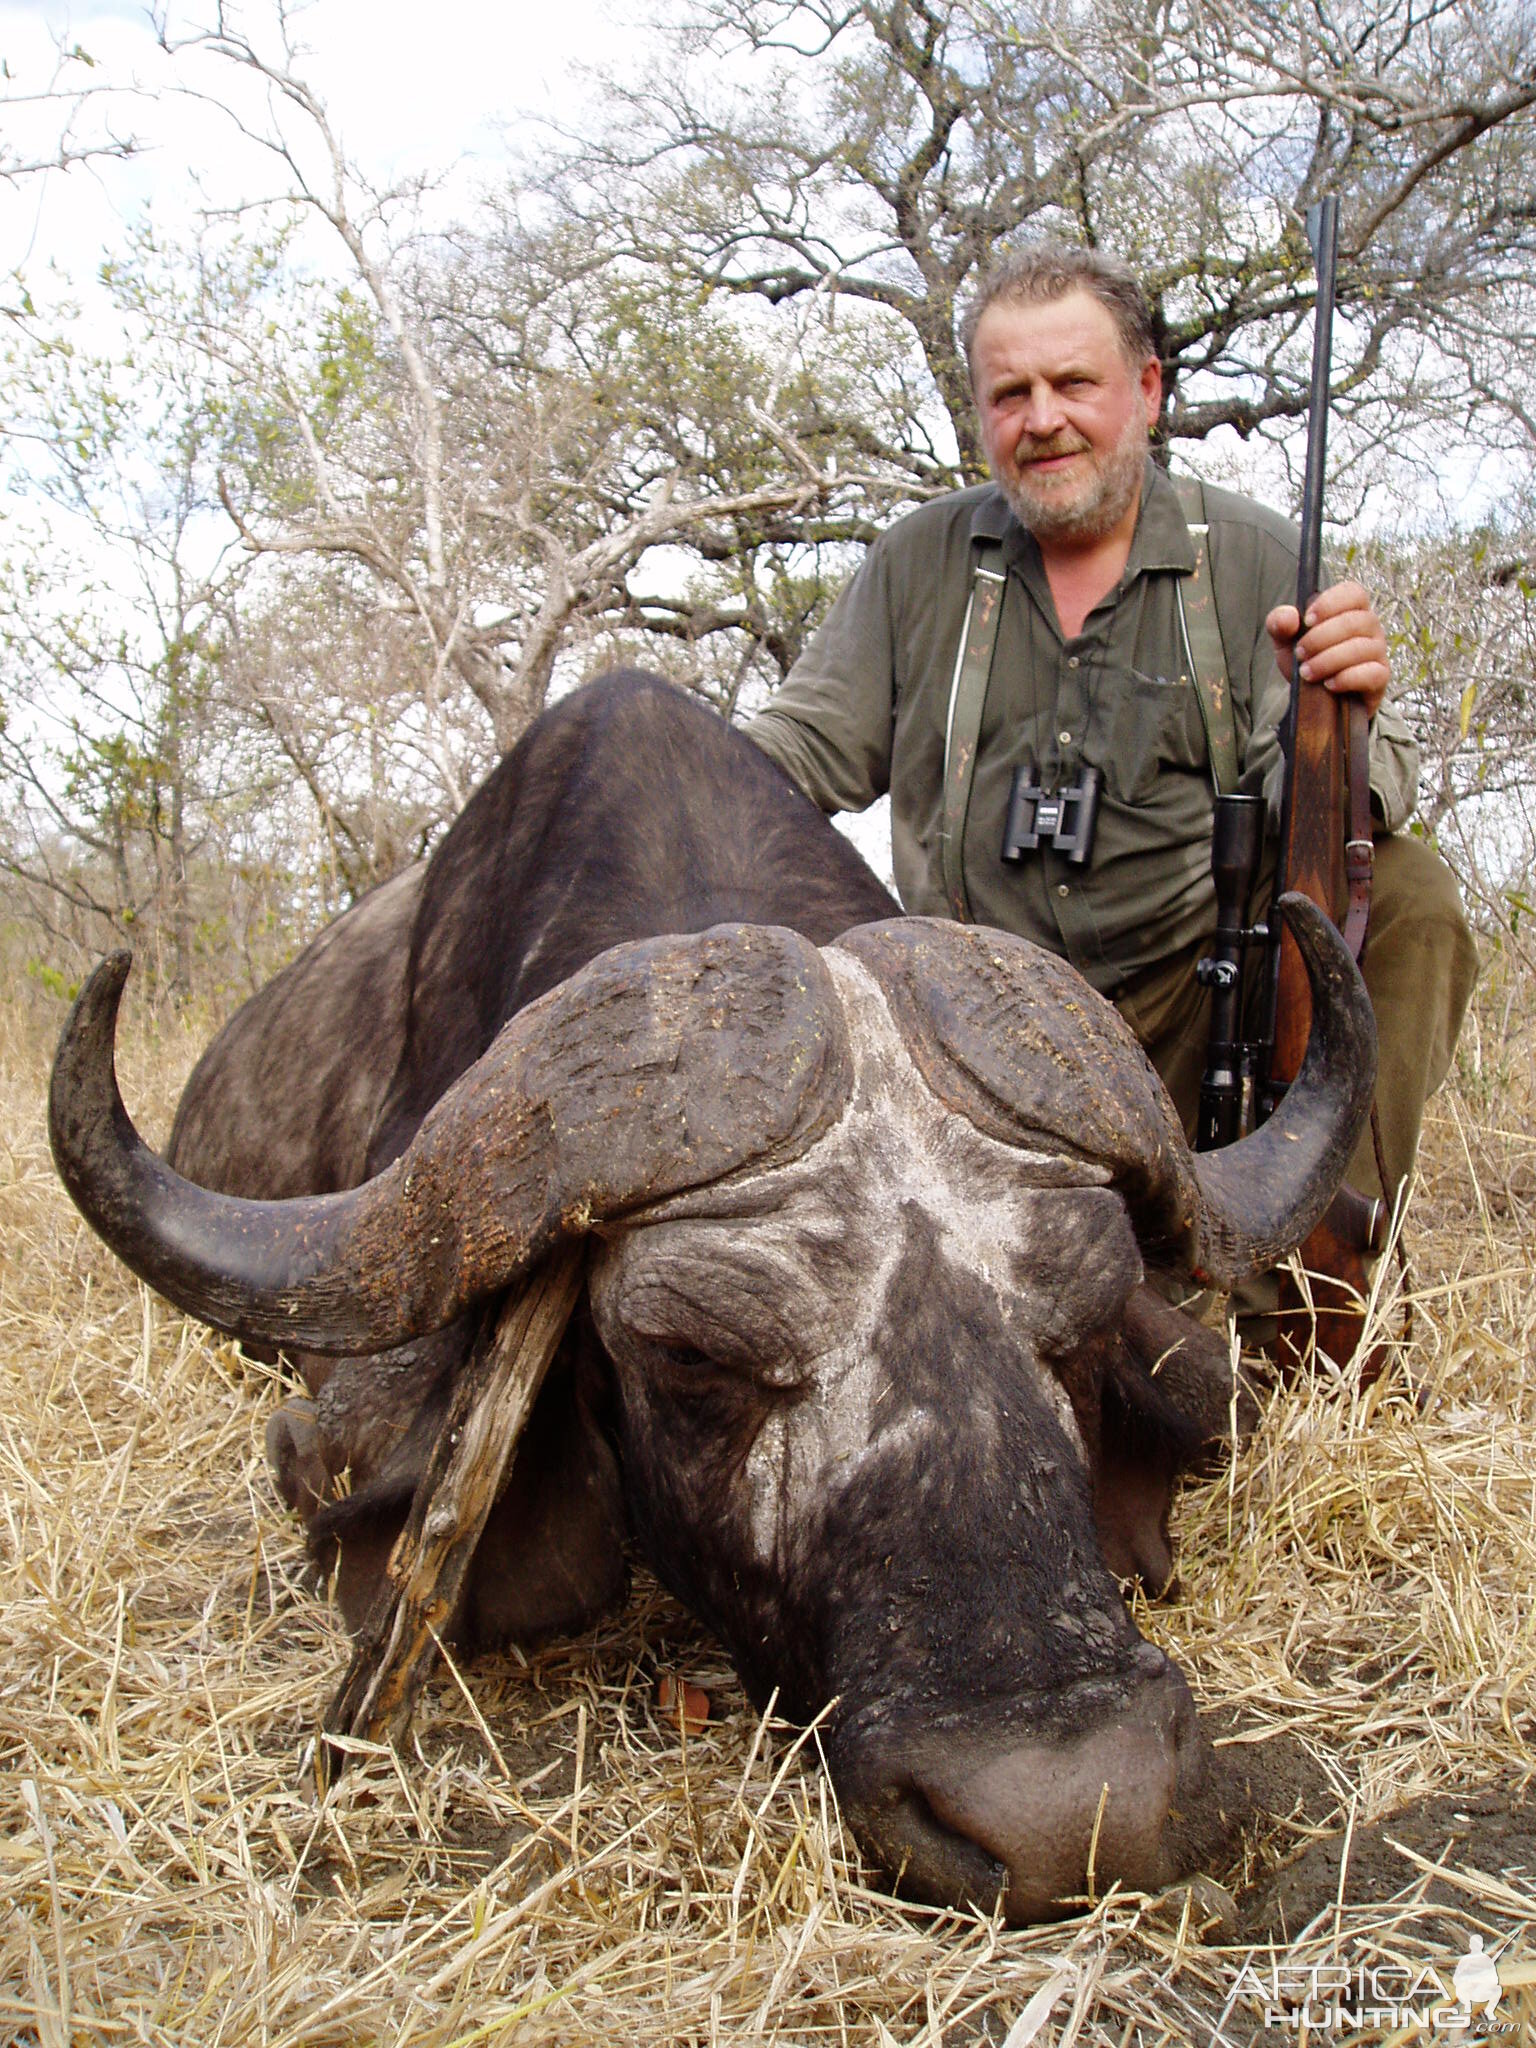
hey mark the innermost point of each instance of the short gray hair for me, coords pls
(1043, 271)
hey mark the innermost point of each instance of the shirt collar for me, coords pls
(992, 518)
(1162, 540)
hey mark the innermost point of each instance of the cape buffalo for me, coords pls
(865, 1367)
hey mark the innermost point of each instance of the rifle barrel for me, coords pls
(1323, 234)
(1311, 845)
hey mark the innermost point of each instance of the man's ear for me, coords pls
(1152, 390)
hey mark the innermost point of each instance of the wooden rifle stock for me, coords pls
(1341, 1249)
(1311, 860)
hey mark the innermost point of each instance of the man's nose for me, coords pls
(1042, 413)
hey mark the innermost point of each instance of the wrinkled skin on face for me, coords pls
(1064, 414)
(850, 1440)
(819, 1322)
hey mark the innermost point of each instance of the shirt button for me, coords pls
(1073, 661)
(1062, 889)
(1065, 738)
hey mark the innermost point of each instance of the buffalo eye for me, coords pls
(688, 1358)
(695, 1378)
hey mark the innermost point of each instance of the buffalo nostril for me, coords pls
(922, 1857)
(1075, 1814)
(1107, 1791)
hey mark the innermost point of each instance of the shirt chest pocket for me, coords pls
(1155, 725)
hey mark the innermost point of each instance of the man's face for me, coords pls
(1064, 414)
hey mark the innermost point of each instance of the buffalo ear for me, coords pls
(552, 1557)
(1193, 1370)
(296, 1459)
(1168, 1405)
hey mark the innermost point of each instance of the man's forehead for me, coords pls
(1076, 323)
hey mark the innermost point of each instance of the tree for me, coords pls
(496, 438)
(328, 683)
(320, 540)
(875, 153)
(112, 615)
(1461, 617)
(68, 119)
(55, 123)
(653, 401)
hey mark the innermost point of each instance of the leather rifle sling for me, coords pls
(962, 726)
(1203, 649)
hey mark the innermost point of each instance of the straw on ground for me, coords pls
(554, 1859)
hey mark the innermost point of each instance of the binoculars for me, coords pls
(1061, 818)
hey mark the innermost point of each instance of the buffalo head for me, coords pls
(865, 1222)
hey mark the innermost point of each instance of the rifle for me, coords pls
(1324, 741)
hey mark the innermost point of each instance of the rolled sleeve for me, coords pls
(1394, 768)
(829, 725)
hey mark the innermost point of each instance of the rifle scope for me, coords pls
(1237, 842)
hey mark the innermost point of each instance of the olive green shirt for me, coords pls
(863, 712)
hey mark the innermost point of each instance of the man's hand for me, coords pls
(1345, 648)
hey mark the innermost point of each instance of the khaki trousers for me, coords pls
(1420, 967)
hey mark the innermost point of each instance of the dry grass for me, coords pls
(554, 1860)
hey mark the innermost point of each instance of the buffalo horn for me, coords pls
(1011, 1038)
(1260, 1197)
(663, 1065)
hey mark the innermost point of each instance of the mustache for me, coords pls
(1032, 450)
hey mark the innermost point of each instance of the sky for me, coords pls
(409, 88)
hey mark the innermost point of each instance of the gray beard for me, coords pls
(1097, 509)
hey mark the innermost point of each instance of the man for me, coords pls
(1074, 564)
